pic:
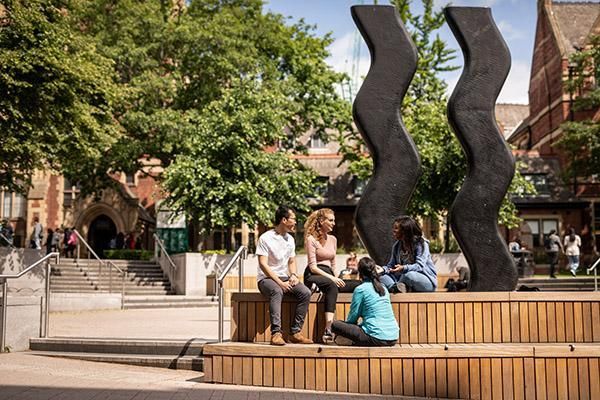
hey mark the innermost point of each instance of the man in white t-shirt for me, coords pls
(276, 251)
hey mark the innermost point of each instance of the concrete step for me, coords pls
(156, 361)
(561, 284)
(162, 292)
(105, 281)
(192, 347)
(169, 301)
(174, 354)
(117, 262)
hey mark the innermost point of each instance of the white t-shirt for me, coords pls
(278, 249)
(572, 248)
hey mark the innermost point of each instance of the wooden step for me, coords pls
(460, 317)
(485, 371)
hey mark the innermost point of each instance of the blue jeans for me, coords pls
(416, 281)
(573, 262)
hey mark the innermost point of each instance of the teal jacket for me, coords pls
(376, 312)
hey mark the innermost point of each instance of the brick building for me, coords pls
(562, 28)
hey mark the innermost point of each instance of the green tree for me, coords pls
(57, 94)
(581, 139)
(214, 90)
(424, 114)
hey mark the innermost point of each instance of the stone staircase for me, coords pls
(145, 287)
(560, 284)
(174, 354)
(83, 276)
(168, 301)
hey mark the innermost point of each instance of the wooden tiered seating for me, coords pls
(459, 345)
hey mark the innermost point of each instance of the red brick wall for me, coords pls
(53, 203)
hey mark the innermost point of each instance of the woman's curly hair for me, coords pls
(312, 226)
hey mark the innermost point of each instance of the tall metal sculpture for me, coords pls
(491, 166)
(474, 213)
(376, 110)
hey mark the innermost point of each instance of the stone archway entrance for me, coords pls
(102, 229)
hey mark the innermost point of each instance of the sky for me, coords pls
(516, 20)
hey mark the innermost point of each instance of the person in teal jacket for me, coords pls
(371, 302)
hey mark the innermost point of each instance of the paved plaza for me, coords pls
(24, 376)
(160, 323)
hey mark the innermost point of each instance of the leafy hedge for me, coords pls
(127, 254)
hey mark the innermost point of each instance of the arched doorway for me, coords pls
(101, 231)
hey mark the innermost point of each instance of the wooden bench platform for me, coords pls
(477, 371)
(440, 318)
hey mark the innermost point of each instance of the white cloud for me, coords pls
(342, 56)
(517, 84)
(509, 32)
(437, 4)
(515, 88)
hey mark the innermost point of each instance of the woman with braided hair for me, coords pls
(371, 302)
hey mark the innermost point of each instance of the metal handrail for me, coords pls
(7, 240)
(239, 256)
(595, 269)
(163, 250)
(110, 265)
(4, 282)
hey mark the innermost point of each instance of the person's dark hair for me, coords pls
(281, 213)
(571, 234)
(411, 234)
(367, 271)
(552, 232)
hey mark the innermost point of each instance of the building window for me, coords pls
(130, 179)
(546, 225)
(322, 186)
(316, 142)
(540, 182)
(12, 206)
(359, 186)
(69, 193)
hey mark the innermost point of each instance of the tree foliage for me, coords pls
(57, 94)
(424, 114)
(206, 89)
(581, 139)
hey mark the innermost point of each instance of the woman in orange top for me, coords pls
(321, 248)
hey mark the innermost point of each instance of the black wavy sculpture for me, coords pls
(376, 111)
(490, 164)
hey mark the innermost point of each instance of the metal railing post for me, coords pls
(595, 280)
(221, 306)
(4, 284)
(123, 290)
(241, 271)
(47, 304)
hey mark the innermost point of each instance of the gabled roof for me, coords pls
(509, 116)
(572, 23)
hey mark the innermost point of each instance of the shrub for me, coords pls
(127, 254)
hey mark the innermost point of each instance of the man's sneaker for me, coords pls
(573, 272)
(277, 339)
(328, 337)
(299, 339)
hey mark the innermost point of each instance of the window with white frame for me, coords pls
(12, 205)
(540, 229)
(316, 142)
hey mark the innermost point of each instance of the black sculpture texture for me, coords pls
(490, 164)
(376, 111)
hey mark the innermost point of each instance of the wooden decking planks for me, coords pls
(485, 371)
(433, 318)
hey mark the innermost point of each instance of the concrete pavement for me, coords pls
(159, 323)
(24, 376)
